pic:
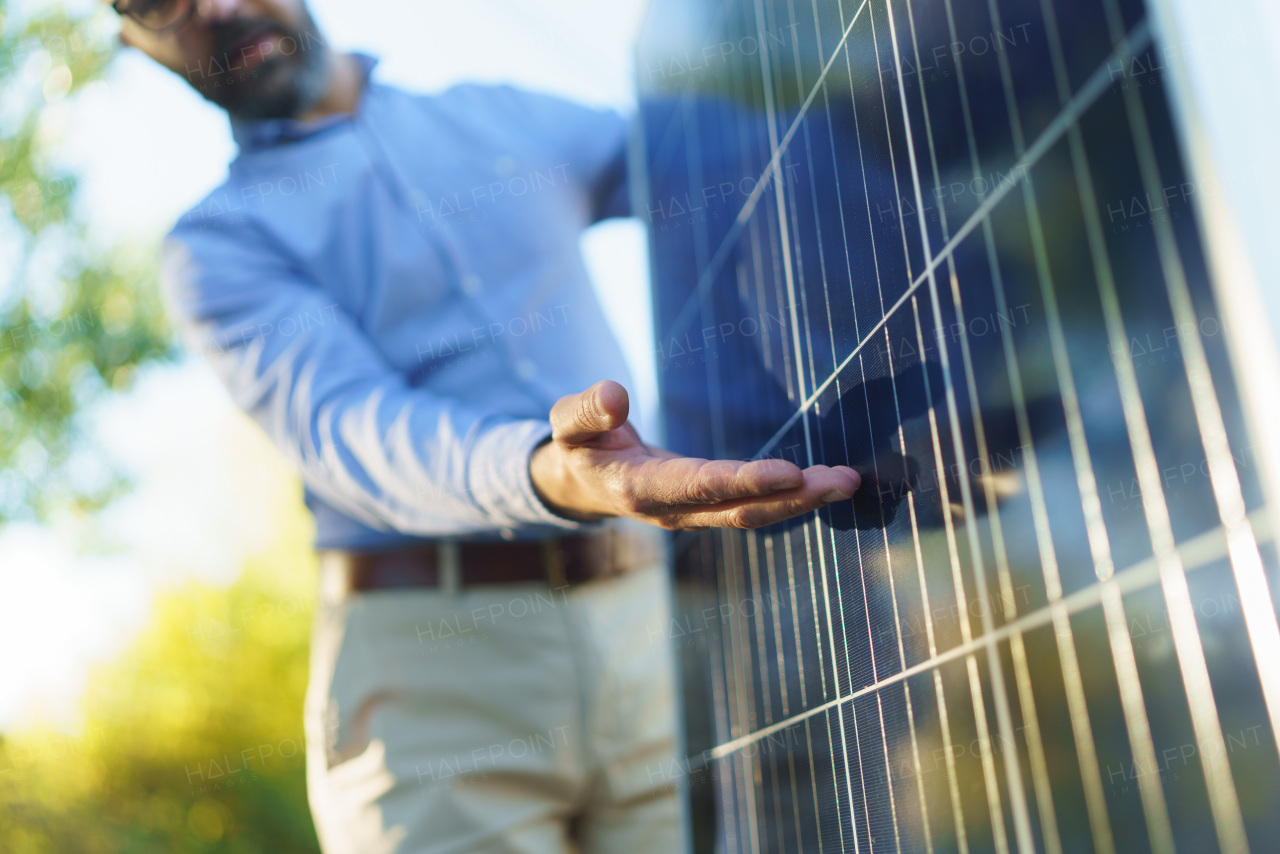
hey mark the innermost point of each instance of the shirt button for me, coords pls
(526, 369)
(471, 284)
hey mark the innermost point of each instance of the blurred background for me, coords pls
(156, 579)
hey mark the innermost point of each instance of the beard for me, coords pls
(250, 83)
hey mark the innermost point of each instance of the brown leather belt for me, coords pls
(556, 562)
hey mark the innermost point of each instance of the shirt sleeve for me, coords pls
(390, 455)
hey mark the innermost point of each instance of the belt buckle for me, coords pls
(553, 563)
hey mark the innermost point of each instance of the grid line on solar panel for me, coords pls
(1084, 741)
(1197, 553)
(910, 711)
(1021, 815)
(1224, 803)
(1102, 836)
(685, 315)
(1137, 725)
(979, 714)
(1137, 40)
(826, 603)
(840, 710)
(1085, 746)
(1040, 778)
(831, 337)
(803, 292)
(680, 324)
(1022, 676)
(1246, 558)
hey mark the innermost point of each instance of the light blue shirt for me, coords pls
(398, 297)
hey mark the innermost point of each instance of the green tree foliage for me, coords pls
(191, 740)
(74, 323)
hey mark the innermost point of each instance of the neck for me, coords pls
(345, 83)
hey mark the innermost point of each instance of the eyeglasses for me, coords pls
(161, 16)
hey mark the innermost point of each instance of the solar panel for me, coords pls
(952, 243)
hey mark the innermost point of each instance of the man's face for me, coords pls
(256, 59)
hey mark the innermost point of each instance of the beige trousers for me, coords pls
(496, 720)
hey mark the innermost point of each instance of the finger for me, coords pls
(660, 485)
(822, 486)
(578, 418)
(759, 512)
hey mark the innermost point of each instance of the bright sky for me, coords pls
(149, 148)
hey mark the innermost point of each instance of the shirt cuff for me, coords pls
(500, 481)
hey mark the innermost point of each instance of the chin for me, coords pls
(275, 89)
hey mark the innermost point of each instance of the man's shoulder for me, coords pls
(221, 211)
(262, 185)
(483, 94)
(267, 187)
(505, 103)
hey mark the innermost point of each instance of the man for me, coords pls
(391, 286)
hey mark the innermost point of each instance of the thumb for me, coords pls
(578, 418)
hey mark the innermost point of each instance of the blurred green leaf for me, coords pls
(191, 739)
(74, 325)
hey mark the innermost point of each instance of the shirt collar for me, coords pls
(251, 134)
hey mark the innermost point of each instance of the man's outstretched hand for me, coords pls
(595, 466)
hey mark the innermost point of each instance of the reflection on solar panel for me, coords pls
(952, 244)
